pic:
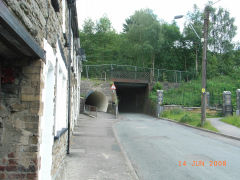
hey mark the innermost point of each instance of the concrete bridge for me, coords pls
(133, 85)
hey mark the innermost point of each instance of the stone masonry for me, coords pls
(39, 18)
(88, 86)
(20, 109)
(59, 151)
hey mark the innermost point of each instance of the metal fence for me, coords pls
(192, 97)
(113, 71)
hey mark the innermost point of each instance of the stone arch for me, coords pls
(98, 99)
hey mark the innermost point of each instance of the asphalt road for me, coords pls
(155, 148)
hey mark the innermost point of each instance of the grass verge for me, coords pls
(233, 120)
(190, 118)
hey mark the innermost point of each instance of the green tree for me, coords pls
(222, 30)
(220, 45)
(168, 54)
(104, 25)
(101, 42)
(192, 43)
(88, 26)
(143, 32)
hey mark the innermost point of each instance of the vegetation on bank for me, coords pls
(233, 120)
(153, 93)
(190, 118)
(189, 93)
(147, 41)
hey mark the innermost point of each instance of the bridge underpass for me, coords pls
(97, 99)
(131, 96)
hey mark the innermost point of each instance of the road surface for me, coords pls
(160, 149)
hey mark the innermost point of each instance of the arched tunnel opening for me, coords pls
(97, 99)
(131, 96)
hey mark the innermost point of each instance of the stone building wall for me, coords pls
(20, 109)
(40, 19)
(59, 152)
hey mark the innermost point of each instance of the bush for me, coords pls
(186, 118)
(176, 111)
(153, 93)
(190, 118)
(157, 86)
(233, 120)
(189, 93)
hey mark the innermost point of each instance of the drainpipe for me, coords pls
(69, 74)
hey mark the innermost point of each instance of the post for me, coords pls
(69, 83)
(204, 60)
(227, 103)
(238, 102)
(159, 102)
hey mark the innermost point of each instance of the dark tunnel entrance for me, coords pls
(97, 99)
(131, 96)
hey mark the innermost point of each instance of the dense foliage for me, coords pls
(150, 42)
(189, 93)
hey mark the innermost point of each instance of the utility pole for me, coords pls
(204, 62)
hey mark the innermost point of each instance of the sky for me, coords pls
(118, 10)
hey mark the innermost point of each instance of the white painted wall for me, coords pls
(47, 120)
(61, 98)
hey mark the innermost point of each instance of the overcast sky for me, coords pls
(118, 10)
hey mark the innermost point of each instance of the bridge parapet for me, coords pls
(113, 71)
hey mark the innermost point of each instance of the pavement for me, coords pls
(160, 149)
(95, 153)
(225, 128)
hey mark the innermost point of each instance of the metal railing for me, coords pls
(113, 71)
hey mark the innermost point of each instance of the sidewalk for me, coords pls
(224, 127)
(95, 154)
